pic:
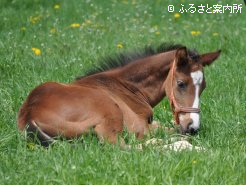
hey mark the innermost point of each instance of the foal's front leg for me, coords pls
(155, 125)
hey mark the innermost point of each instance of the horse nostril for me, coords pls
(190, 124)
(191, 129)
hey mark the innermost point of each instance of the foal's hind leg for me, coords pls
(111, 126)
(105, 132)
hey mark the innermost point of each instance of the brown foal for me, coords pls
(123, 96)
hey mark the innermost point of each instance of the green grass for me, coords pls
(68, 52)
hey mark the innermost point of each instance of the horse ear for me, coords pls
(208, 58)
(181, 57)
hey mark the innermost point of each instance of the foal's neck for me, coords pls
(148, 75)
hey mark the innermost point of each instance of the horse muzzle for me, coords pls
(189, 123)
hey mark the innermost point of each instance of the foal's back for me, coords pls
(67, 110)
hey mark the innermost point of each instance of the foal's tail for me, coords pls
(35, 132)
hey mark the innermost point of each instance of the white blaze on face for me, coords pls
(197, 78)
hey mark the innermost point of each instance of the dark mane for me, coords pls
(122, 59)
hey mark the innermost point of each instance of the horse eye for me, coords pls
(181, 84)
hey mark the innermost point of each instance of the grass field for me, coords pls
(58, 40)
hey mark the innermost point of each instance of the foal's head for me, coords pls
(185, 84)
